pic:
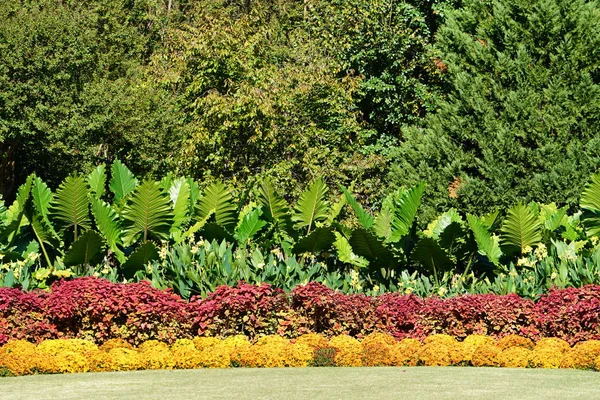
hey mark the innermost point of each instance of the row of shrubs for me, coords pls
(98, 310)
(377, 349)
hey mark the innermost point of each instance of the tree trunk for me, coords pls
(7, 169)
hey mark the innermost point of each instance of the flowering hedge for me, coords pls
(97, 310)
(19, 357)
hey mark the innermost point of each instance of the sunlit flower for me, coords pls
(163, 253)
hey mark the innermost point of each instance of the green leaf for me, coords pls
(147, 213)
(218, 200)
(590, 202)
(320, 239)
(71, 205)
(42, 200)
(521, 228)
(180, 198)
(345, 254)
(275, 208)
(365, 219)
(85, 251)
(15, 215)
(249, 226)
(3, 212)
(491, 219)
(42, 231)
(336, 210)
(485, 242)
(430, 255)
(139, 259)
(439, 225)
(122, 181)
(367, 245)
(405, 211)
(551, 218)
(383, 222)
(109, 225)
(42, 197)
(96, 180)
(198, 225)
(311, 206)
(213, 231)
(590, 198)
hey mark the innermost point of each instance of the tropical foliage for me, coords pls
(193, 239)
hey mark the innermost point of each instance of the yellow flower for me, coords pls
(65, 273)
(163, 253)
(41, 274)
(522, 261)
(442, 291)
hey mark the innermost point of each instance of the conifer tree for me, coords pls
(521, 117)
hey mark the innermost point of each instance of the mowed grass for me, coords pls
(310, 383)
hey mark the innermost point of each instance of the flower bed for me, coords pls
(98, 311)
(20, 357)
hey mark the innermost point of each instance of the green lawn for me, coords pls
(310, 383)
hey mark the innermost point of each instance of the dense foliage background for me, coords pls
(357, 143)
(489, 102)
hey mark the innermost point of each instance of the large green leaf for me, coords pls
(521, 228)
(139, 259)
(147, 213)
(3, 212)
(345, 253)
(590, 198)
(312, 206)
(71, 205)
(122, 181)
(97, 181)
(179, 193)
(213, 231)
(42, 200)
(42, 197)
(405, 211)
(485, 242)
(367, 245)
(439, 225)
(336, 210)
(430, 255)
(318, 240)
(249, 226)
(197, 226)
(109, 225)
(15, 215)
(218, 200)
(383, 222)
(551, 217)
(365, 219)
(42, 231)
(275, 208)
(590, 202)
(86, 250)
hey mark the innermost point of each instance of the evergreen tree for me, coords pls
(521, 117)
